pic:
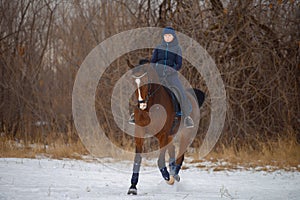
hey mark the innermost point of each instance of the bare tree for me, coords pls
(255, 45)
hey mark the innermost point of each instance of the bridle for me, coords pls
(142, 103)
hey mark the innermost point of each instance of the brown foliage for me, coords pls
(255, 45)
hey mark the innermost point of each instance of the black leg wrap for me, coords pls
(165, 173)
(137, 163)
(134, 178)
(177, 169)
(133, 187)
(174, 169)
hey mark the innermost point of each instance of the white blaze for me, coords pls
(143, 106)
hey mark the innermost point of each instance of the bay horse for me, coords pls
(149, 95)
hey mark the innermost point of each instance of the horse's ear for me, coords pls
(129, 64)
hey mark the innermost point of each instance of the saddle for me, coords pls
(172, 93)
(177, 109)
(175, 101)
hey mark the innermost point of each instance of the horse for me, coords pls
(150, 95)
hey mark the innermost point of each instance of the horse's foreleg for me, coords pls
(136, 166)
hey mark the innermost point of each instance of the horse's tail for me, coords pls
(199, 94)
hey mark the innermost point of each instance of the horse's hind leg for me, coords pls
(136, 166)
(184, 143)
(175, 165)
(171, 151)
(162, 163)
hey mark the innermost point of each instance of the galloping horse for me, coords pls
(150, 94)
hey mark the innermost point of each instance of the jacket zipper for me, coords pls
(166, 57)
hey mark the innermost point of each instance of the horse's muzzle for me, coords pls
(143, 105)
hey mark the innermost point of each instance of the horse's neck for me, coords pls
(158, 91)
(159, 94)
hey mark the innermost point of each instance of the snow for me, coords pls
(46, 178)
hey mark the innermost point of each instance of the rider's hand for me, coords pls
(170, 71)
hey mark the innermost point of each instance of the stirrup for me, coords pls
(179, 114)
(188, 122)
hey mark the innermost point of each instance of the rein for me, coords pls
(150, 94)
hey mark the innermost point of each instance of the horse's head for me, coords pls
(140, 75)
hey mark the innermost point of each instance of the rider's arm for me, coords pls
(154, 56)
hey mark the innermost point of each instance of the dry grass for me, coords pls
(282, 153)
(56, 149)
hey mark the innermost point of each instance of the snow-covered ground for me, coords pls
(72, 179)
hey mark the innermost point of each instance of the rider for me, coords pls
(167, 56)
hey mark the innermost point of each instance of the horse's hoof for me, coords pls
(132, 190)
(171, 181)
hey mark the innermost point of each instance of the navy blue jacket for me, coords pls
(168, 54)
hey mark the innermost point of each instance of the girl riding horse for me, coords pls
(167, 60)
